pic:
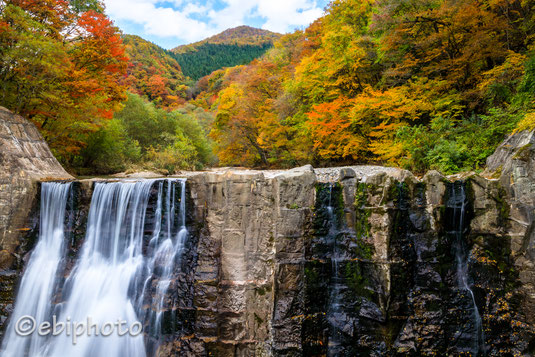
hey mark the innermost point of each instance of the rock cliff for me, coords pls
(511, 177)
(24, 160)
(365, 265)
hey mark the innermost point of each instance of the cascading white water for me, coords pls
(40, 277)
(167, 245)
(459, 214)
(111, 257)
(106, 284)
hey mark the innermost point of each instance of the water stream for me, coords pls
(115, 280)
(458, 201)
(165, 250)
(335, 313)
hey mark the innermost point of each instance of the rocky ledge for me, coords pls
(264, 273)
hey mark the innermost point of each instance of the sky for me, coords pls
(176, 22)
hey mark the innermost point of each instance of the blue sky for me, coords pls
(171, 23)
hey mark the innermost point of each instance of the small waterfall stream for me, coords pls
(116, 278)
(458, 201)
(335, 313)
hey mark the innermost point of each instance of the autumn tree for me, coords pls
(154, 73)
(452, 40)
(345, 58)
(236, 128)
(416, 83)
(60, 66)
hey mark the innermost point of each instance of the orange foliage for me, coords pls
(74, 85)
(333, 132)
(153, 73)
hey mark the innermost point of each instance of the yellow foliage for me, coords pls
(528, 123)
(512, 69)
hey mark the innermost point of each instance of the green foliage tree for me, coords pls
(109, 150)
(144, 122)
(143, 136)
(180, 154)
(208, 57)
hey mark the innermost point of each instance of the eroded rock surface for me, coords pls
(511, 208)
(358, 262)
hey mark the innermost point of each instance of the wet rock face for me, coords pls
(289, 266)
(505, 206)
(394, 290)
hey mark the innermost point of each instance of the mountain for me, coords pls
(241, 35)
(232, 47)
(154, 73)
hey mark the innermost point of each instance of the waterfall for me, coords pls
(458, 200)
(40, 276)
(111, 256)
(335, 314)
(167, 245)
(117, 278)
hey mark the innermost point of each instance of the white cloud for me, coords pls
(195, 9)
(283, 15)
(190, 21)
(234, 14)
(158, 20)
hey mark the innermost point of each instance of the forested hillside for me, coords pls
(209, 57)
(232, 47)
(241, 35)
(64, 66)
(153, 73)
(419, 84)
